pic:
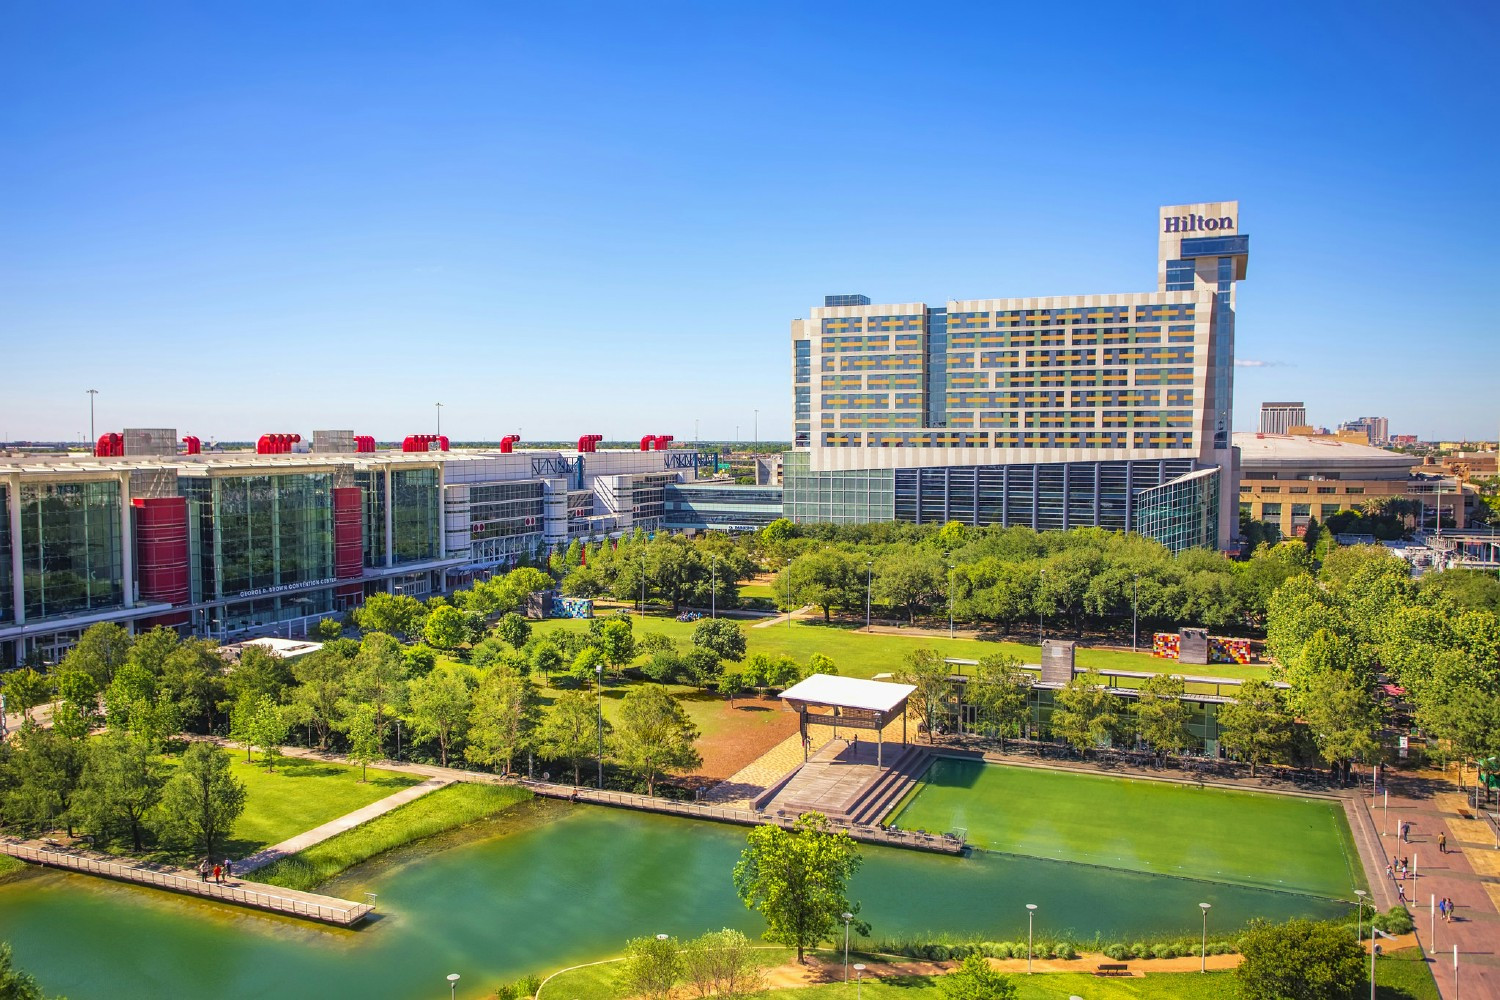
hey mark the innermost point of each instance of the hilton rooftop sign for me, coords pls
(1196, 224)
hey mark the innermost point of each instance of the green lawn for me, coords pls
(1245, 838)
(860, 654)
(445, 809)
(299, 795)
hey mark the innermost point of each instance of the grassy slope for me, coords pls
(860, 654)
(1298, 844)
(445, 809)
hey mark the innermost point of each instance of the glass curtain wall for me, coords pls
(7, 607)
(70, 548)
(416, 515)
(371, 483)
(259, 532)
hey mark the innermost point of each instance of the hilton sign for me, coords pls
(1196, 224)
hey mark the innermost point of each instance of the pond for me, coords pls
(547, 885)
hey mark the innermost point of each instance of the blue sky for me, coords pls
(569, 218)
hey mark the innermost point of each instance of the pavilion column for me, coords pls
(880, 747)
(802, 728)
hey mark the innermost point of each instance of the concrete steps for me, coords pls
(885, 792)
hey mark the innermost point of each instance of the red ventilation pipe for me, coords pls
(424, 442)
(662, 441)
(508, 443)
(192, 446)
(364, 443)
(276, 444)
(111, 445)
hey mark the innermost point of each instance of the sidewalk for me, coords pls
(1469, 874)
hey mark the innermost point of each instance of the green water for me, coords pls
(551, 885)
(1246, 838)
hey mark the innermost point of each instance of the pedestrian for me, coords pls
(1400, 892)
(1449, 915)
(1405, 832)
(219, 874)
(228, 869)
(1443, 908)
(203, 870)
(1443, 843)
(1390, 869)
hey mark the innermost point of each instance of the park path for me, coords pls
(334, 827)
(781, 619)
(1468, 873)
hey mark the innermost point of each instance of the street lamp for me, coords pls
(847, 917)
(440, 419)
(713, 592)
(788, 593)
(599, 673)
(643, 580)
(1203, 948)
(859, 976)
(950, 600)
(1359, 924)
(1135, 614)
(452, 985)
(1041, 579)
(1030, 913)
(92, 393)
(869, 570)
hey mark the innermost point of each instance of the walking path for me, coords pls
(1468, 873)
(781, 619)
(334, 827)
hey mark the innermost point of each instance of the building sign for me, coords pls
(284, 587)
(1197, 224)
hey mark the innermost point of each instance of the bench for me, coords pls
(1112, 969)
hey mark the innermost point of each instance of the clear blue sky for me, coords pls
(571, 218)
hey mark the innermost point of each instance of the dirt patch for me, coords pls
(738, 737)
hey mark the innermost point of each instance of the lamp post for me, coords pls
(92, 393)
(1203, 948)
(643, 580)
(1135, 614)
(869, 570)
(1030, 913)
(599, 672)
(788, 593)
(859, 974)
(452, 985)
(439, 419)
(950, 600)
(713, 591)
(1041, 630)
(1359, 921)
(847, 917)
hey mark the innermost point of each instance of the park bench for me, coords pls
(1112, 969)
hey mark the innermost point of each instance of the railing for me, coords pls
(342, 915)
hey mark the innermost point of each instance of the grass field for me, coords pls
(445, 809)
(861, 654)
(297, 796)
(1244, 838)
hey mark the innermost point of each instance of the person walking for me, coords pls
(1401, 892)
(1448, 916)
(1443, 842)
(1405, 832)
(228, 869)
(203, 870)
(1443, 908)
(219, 874)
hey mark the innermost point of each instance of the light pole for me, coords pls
(452, 985)
(788, 593)
(713, 592)
(1359, 921)
(950, 600)
(92, 393)
(1030, 913)
(847, 917)
(440, 419)
(869, 570)
(1135, 615)
(1041, 580)
(599, 672)
(643, 580)
(859, 974)
(1203, 948)
(757, 427)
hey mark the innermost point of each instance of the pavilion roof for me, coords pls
(849, 692)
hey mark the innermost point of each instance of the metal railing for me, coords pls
(346, 915)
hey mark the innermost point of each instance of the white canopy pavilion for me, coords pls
(851, 703)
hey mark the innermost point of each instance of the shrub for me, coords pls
(1066, 950)
(937, 952)
(1396, 920)
(525, 987)
(996, 949)
(1185, 948)
(1139, 950)
(1118, 952)
(1163, 951)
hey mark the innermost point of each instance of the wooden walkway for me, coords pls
(272, 898)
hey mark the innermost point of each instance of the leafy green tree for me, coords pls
(15, 984)
(393, 614)
(329, 629)
(202, 798)
(445, 627)
(260, 672)
(821, 663)
(910, 578)
(322, 687)
(616, 643)
(504, 719)
(1085, 713)
(120, 785)
(976, 980)
(268, 730)
(1161, 715)
(546, 658)
(653, 967)
(778, 532)
(1299, 960)
(100, 651)
(926, 670)
(1344, 719)
(43, 775)
(1256, 725)
(150, 649)
(379, 681)
(420, 660)
(440, 705)
(655, 736)
(798, 879)
(78, 709)
(570, 730)
(513, 629)
(723, 963)
(826, 578)
(1000, 691)
(25, 689)
(726, 638)
(365, 745)
(586, 665)
(193, 678)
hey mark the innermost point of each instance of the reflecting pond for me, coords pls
(547, 885)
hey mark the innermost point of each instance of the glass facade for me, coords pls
(416, 515)
(504, 510)
(371, 483)
(7, 609)
(801, 392)
(257, 534)
(721, 506)
(840, 497)
(70, 548)
(1183, 513)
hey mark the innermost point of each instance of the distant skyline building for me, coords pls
(1377, 430)
(1056, 412)
(1280, 418)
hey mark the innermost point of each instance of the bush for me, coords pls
(525, 987)
(996, 949)
(1139, 950)
(1164, 951)
(1396, 920)
(1066, 950)
(937, 952)
(1186, 948)
(1118, 952)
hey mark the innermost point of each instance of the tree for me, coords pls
(42, 777)
(513, 629)
(976, 980)
(546, 658)
(440, 704)
(267, 730)
(504, 718)
(655, 736)
(928, 672)
(193, 677)
(329, 629)
(723, 963)
(1299, 960)
(78, 709)
(570, 731)
(15, 984)
(1085, 713)
(910, 578)
(260, 672)
(445, 627)
(726, 638)
(798, 879)
(395, 614)
(323, 684)
(379, 680)
(825, 577)
(1001, 695)
(616, 642)
(99, 652)
(365, 746)
(1255, 726)
(202, 798)
(25, 690)
(1343, 718)
(653, 967)
(121, 784)
(1161, 715)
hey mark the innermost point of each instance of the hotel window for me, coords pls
(1180, 275)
